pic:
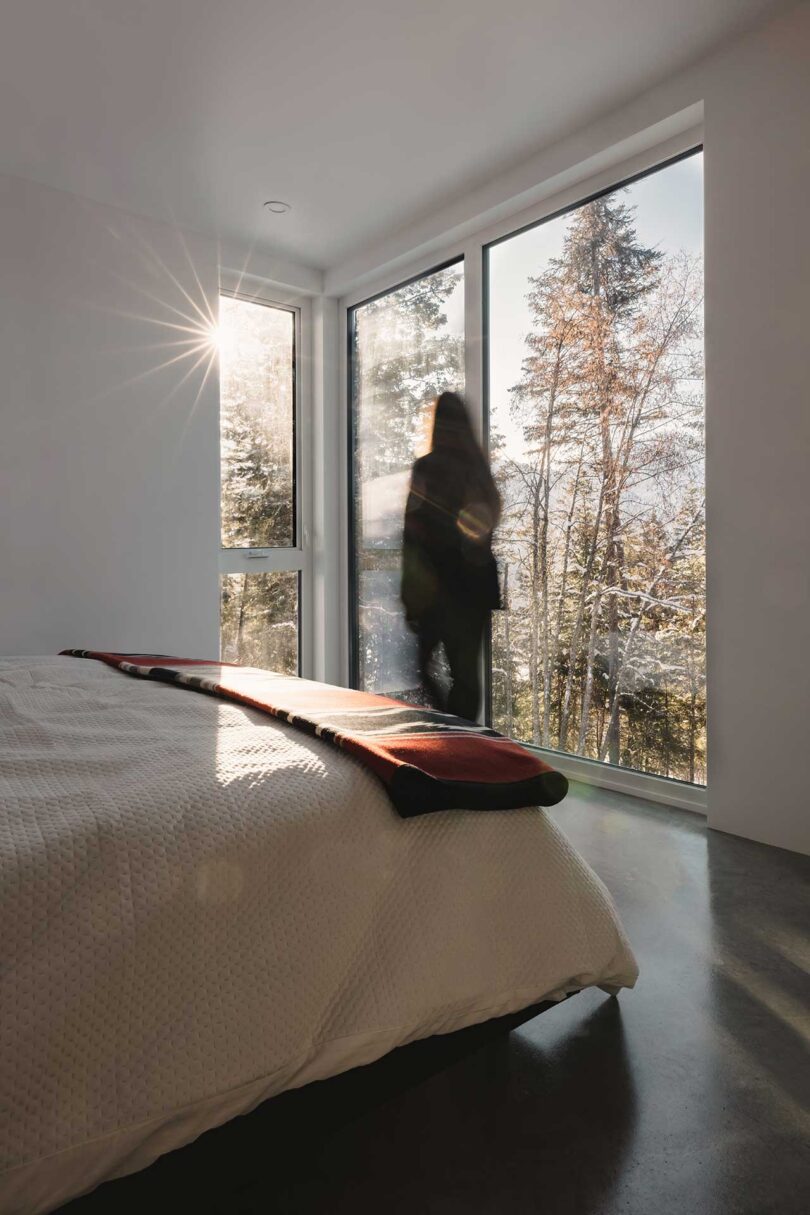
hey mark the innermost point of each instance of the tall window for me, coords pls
(406, 347)
(595, 392)
(260, 563)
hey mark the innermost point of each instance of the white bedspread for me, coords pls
(200, 907)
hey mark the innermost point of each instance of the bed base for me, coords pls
(187, 1178)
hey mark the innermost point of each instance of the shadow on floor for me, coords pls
(501, 1126)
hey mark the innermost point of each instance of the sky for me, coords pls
(669, 217)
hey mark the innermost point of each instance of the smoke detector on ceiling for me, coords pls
(277, 207)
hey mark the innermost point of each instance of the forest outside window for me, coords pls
(596, 421)
(260, 564)
(406, 347)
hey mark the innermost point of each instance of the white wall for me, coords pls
(109, 490)
(757, 183)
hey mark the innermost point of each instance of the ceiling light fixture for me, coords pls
(277, 207)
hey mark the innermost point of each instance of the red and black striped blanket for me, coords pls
(427, 760)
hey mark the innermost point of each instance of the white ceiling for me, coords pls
(364, 114)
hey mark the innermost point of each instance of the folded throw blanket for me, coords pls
(427, 760)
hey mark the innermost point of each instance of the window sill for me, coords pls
(668, 792)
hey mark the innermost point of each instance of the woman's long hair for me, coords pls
(453, 435)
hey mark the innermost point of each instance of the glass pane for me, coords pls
(259, 620)
(596, 419)
(256, 367)
(407, 347)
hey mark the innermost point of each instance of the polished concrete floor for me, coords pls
(688, 1095)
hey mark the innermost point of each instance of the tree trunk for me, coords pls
(611, 743)
(579, 622)
(589, 660)
(692, 725)
(557, 638)
(535, 615)
(544, 570)
(507, 644)
(613, 573)
(241, 618)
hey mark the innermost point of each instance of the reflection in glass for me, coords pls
(257, 352)
(259, 620)
(407, 347)
(596, 433)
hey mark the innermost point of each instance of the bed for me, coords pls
(203, 907)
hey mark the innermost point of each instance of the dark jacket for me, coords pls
(447, 558)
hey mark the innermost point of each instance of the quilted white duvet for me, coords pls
(200, 907)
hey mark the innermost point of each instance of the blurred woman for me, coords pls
(449, 576)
